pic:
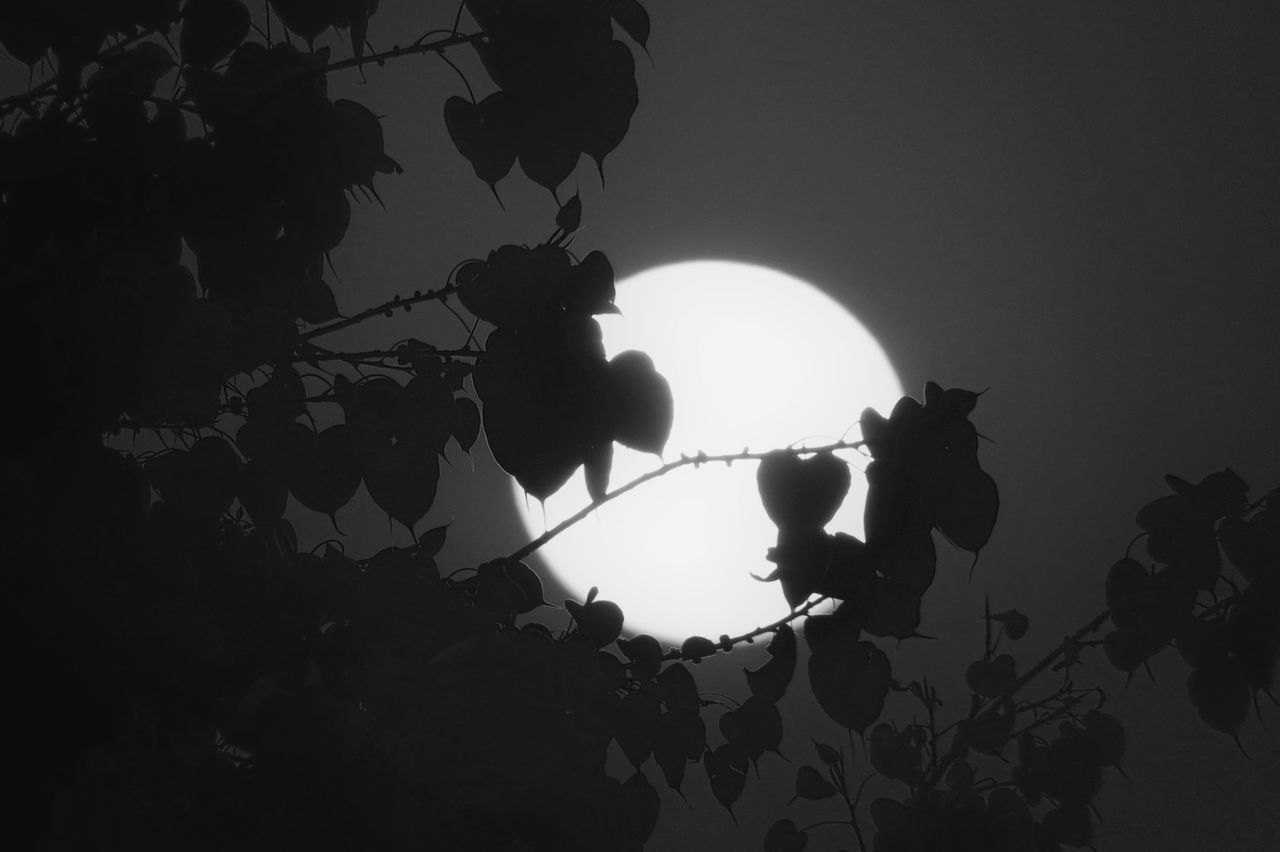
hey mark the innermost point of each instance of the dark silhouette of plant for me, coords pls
(188, 679)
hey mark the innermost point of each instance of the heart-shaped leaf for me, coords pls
(897, 754)
(727, 770)
(992, 678)
(679, 691)
(326, 472)
(966, 511)
(484, 133)
(755, 725)
(850, 679)
(802, 494)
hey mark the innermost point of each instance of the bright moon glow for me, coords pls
(755, 359)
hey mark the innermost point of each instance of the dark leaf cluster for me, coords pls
(202, 683)
(552, 401)
(566, 87)
(924, 475)
(1231, 643)
(168, 201)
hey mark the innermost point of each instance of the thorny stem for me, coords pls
(684, 461)
(396, 52)
(1096, 622)
(315, 353)
(727, 642)
(385, 309)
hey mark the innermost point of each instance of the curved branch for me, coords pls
(684, 461)
(727, 642)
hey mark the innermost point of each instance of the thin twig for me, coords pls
(1096, 622)
(396, 52)
(853, 816)
(824, 822)
(385, 309)
(1048, 660)
(751, 635)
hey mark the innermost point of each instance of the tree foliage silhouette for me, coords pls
(188, 679)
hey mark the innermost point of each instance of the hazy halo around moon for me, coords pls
(755, 358)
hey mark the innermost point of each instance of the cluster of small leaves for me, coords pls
(755, 726)
(1232, 640)
(566, 87)
(956, 799)
(305, 696)
(552, 402)
(74, 30)
(813, 784)
(659, 717)
(392, 439)
(924, 475)
(311, 18)
(971, 812)
(107, 178)
(1045, 799)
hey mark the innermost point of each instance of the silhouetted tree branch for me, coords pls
(194, 677)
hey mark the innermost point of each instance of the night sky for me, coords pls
(1075, 205)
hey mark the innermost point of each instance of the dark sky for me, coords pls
(1074, 204)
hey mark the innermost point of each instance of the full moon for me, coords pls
(756, 359)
